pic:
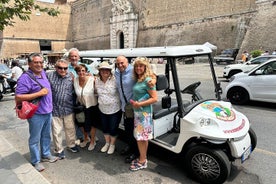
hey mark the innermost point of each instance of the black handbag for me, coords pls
(78, 108)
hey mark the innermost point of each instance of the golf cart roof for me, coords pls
(169, 51)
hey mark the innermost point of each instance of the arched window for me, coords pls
(121, 40)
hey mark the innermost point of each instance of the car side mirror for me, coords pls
(166, 102)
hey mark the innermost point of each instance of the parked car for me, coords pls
(258, 84)
(227, 55)
(233, 69)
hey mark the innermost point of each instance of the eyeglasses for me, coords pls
(62, 68)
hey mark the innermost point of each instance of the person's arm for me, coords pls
(152, 99)
(29, 97)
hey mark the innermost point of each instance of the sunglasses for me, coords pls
(62, 68)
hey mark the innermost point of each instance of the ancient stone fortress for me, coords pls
(105, 24)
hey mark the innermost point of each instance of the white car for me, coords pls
(258, 84)
(233, 69)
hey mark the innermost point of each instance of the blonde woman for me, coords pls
(143, 97)
(84, 89)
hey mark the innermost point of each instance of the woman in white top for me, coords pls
(109, 105)
(84, 89)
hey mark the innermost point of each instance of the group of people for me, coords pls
(105, 98)
(246, 56)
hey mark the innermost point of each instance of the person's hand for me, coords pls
(43, 92)
(151, 83)
(135, 104)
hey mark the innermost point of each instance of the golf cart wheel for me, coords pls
(207, 165)
(238, 96)
(253, 138)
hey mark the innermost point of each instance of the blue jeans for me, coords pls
(40, 136)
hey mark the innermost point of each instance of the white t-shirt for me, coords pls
(17, 72)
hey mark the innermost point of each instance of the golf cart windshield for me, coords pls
(184, 80)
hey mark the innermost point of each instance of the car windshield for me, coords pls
(226, 52)
(4, 69)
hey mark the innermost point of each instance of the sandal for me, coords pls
(138, 166)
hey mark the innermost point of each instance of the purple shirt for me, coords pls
(26, 85)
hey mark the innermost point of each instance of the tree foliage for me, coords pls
(9, 9)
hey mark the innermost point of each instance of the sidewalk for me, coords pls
(14, 168)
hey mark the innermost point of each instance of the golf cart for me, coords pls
(191, 119)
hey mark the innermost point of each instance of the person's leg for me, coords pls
(35, 127)
(45, 141)
(90, 123)
(129, 127)
(70, 131)
(56, 132)
(143, 147)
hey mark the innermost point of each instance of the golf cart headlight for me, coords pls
(204, 122)
(226, 67)
(231, 78)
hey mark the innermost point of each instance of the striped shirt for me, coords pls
(62, 90)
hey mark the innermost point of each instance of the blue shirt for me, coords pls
(62, 89)
(127, 83)
(72, 70)
(26, 85)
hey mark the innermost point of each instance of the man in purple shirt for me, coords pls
(40, 124)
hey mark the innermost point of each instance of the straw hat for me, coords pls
(104, 65)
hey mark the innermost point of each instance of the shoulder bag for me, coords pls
(26, 109)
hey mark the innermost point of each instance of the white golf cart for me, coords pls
(209, 132)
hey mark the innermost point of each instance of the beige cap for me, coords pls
(104, 65)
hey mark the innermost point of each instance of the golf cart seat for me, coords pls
(158, 108)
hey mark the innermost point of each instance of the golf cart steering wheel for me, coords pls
(191, 88)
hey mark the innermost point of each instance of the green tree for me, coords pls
(9, 9)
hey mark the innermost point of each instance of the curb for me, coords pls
(17, 165)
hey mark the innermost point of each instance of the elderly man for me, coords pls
(29, 88)
(63, 116)
(74, 59)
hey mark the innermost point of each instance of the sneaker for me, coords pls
(92, 146)
(50, 159)
(105, 148)
(74, 149)
(84, 143)
(111, 149)
(39, 167)
(77, 142)
(61, 155)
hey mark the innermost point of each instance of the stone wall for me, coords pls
(174, 22)
(262, 27)
(85, 24)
